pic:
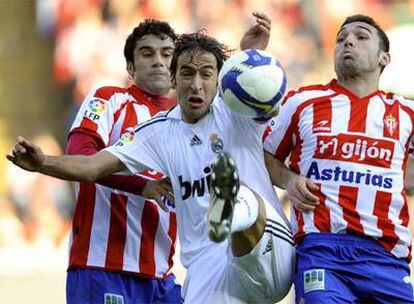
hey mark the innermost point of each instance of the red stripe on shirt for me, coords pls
(348, 197)
(88, 124)
(117, 232)
(149, 225)
(322, 116)
(391, 121)
(82, 225)
(358, 115)
(381, 208)
(172, 232)
(296, 155)
(300, 233)
(130, 119)
(322, 216)
(107, 92)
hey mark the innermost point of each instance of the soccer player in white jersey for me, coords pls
(255, 263)
(348, 144)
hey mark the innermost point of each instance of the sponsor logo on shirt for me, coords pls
(356, 149)
(322, 126)
(348, 176)
(95, 107)
(195, 188)
(195, 141)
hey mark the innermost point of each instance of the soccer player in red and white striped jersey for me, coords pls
(122, 244)
(348, 144)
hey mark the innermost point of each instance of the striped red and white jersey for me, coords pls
(356, 151)
(115, 230)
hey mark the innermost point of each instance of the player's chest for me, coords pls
(361, 120)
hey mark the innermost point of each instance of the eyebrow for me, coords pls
(358, 26)
(207, 66)
(147, 47)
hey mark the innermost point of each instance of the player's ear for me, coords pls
(130, 69)
(385, 59)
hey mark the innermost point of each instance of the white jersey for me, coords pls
(184, 152)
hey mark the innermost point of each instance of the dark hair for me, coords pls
(199, 41)
(384, 41)
(154, 27)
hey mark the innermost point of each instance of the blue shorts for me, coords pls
(90, 286)
(336, 268)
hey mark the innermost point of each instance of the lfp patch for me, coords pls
(314, 279)
(111, 298)
(97, 105)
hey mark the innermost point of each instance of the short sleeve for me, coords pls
(142, 148)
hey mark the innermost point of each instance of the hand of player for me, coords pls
(156, 189)
(27, 155)
(258, 35)
(299, 190)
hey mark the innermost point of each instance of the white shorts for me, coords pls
(264, 275)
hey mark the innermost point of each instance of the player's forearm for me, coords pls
(71, 167)
(279, 173)
(129, 183)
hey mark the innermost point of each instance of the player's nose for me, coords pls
(158, 60)
(349, 41)
(196, 83)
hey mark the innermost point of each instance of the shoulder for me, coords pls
(107, 92)
(156, 125)
(296, 97)
(404, 101)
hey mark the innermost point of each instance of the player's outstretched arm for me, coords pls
(83, 168)
(299, 188)
(258, 35)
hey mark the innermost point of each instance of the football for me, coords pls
(252, 83)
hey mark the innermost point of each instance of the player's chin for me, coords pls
(159, 87)
(197, 113)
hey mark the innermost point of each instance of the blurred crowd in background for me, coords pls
(81, 42)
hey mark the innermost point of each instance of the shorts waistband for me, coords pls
(348, 239)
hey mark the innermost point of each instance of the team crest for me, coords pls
(216, 143)
(391, 123)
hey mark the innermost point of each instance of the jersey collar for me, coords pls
(159, 102)
(334, 85)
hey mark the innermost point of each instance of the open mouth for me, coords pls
(195, 102)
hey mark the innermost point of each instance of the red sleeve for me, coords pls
(87, 144)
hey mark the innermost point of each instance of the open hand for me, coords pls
(258, 35)
(157, 189)
(27, 155)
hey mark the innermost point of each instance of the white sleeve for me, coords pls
(143, 148)
(95, 116)
(279, 137)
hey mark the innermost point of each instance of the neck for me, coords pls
(360, 86)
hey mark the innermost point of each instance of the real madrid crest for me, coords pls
(216, 143)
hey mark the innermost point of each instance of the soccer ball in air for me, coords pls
(252, 82)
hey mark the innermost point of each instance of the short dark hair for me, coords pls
(199, 41)
(154, 27)
(384, 41)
